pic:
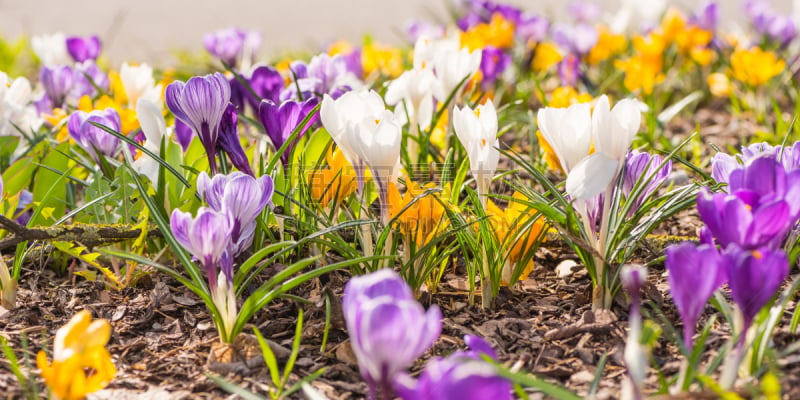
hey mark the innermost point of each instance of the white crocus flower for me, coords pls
(155, 129)
(613, 131)
(16, 111)
(51, 49)
(341, 116)
(635, 14)
(377, 142)
(453, 66)
(568, 131)
(138, 82)
(415, 90)
(477, 132)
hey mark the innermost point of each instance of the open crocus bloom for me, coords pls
(613, 131)
(92, 138)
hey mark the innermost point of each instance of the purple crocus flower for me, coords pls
(753, 277)
(645, 167)
(83, 48)
(200, 103)
(323, 75)
(225, 44)
(494, 62)
(569, 70)
(183, 133)
(418, 28)
(281, 120)
(266, 82)
(388, 328)
(241, 197)
(532, 28)
(57, 82)
(695, 272)
(207, 237)
(462, 375)
(766, 178)
(744, 219)
(88, 77)
(229, 140)
(760, 14)
(92, 138)
(578, 39)
(782, 29)
(707, 17)
(583, 11)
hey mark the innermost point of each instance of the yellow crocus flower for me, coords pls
(79, 347)
(499, 32)
(386, 60)
(755, 66)
(510, 228)
(335, 182)
(644, 70)
(565, 96)
(608, 44)
(545, 57)
(719, 84)
(424, 218)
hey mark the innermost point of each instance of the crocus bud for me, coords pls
(229, 140)
(225, 44)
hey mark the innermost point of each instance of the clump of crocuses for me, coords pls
(388, 328)
(221, 231)
(750, 223)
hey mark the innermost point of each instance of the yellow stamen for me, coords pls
(757, 254)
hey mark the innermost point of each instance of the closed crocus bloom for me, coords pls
(207, 237)
(200, 103)
(341, 116)
(240, 196)
(183, 134)
(78, 346)
(280, 121)
(155, 130)
(744, 219)
(415, 87)
(94, 139)
(265, 82)
(568, 131)
(695, 272)
(753, 277)
(57, 82)
(225, 44)
(138, 82)
(377, 142)
(388, 329)
(229, 141)
(83, 48)
(477, 132)
(462, 375)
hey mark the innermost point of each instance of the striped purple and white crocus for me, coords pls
(201, 103)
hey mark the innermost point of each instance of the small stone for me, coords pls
(564, 268)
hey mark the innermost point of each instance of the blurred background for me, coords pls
(152, 30)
